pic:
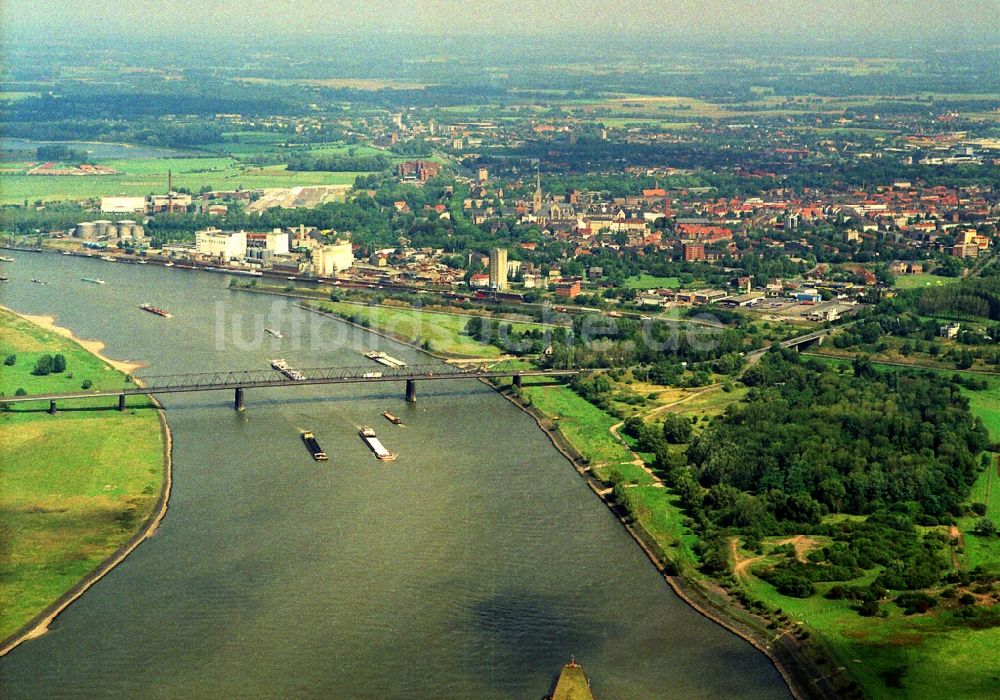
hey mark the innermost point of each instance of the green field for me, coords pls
(142, 176)
(432, 330)
(922, 280)
(74, 486)
(583, 424)
(645, 281)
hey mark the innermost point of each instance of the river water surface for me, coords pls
(471, 567)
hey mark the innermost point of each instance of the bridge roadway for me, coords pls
(239, 380)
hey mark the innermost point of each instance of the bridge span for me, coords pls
(240, 380)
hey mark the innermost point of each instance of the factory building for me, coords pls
(328, 260)
(123, 205)
(263, 246)
(223, 245)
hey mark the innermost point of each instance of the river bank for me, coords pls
(785, 653)
(788, 657)
(94, 347)
(89, 452)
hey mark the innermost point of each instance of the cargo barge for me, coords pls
(155, 310)
(313, 446)
(283, 367)
(384, 359)
(395, 420)
(375, 445)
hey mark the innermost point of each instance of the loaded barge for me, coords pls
(375, 445)
(384, 359)
(313, 446)
(283, 367)
(395, 420)
(154, 310)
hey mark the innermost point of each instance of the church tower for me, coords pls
(537, 204)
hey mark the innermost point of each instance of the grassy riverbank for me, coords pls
(436, 331)
(930, 655)
(74, 487)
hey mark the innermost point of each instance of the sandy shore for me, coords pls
(94, 347)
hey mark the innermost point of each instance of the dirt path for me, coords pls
(741, 565)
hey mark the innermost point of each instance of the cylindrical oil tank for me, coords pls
(138, 231)
(102, 226)
(85, 229)
(126, 228)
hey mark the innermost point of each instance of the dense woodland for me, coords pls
(809, 441)
(849, 443)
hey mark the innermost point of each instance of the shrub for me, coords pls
(20, 392)
(985, 527)
(86, 384)
(43, 366)
(10, 360)
(915, 602)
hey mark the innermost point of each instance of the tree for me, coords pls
(59, 363)
(985, 528)
(676, 429)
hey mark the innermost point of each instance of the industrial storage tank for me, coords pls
(103, 226)
(85, 229)
(126, 228)
(138, 231)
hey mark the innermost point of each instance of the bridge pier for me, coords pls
(517, 382)
(411, 390)
(52, 407)
(121, 402)
(238, 400)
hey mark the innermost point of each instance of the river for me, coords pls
(471, 567)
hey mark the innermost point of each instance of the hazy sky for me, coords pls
(795, 19)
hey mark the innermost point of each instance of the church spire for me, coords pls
(538, 191)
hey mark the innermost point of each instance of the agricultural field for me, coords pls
(100, 478)
(142, 176)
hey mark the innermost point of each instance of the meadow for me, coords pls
(75, 486)
(436, 331)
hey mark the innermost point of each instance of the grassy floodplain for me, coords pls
(74, 487)
(438, 332)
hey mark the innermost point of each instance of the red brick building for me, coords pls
(422, 170)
